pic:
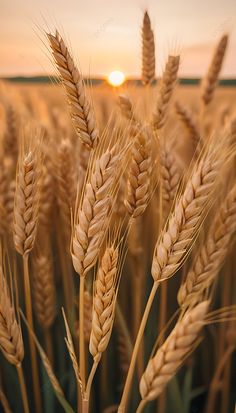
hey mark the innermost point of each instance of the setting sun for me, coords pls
(116, 78)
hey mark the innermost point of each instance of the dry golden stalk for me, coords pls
(4, 402)
(88, 305)
(170, 177)
(11, 343)
(92, 216)
(148, 51)
(170, 356)
(3, 195)
(26, 202)
(66, 181)
(138, 185)
(210, 81)
(189, 211)
(166, 90)
(104, 303)
(212, 253)
(44, 290)
(188, 121)
(80, 108)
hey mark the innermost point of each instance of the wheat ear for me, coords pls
(103, 313)
(188, 121)
(66, 182)
(44, 290)
(138, 184)
(170, 177)
(148, 51)
(171, 355)
(126, 108)
(11, 342)
(26, 206)
(93, 212)
(166, 90)
(210, 81)
(189, 210)
(212, 252)
(80, 108)
(104, 303)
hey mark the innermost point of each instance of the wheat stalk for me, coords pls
(4, 402)
(171, 355)
(80, 108)
(166, 90)
(210, 81)
(211, 254)
(148, 51)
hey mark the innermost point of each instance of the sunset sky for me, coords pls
(105, 34)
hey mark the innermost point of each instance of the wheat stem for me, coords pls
(81, 331)
(125, 395)
(23, 388)
(29, 316)
(215, 381)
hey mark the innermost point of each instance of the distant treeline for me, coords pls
(99, 81)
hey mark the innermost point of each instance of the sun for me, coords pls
(116, 78)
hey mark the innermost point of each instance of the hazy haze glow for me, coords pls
(104, 35)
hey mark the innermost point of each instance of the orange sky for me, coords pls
(105, 35)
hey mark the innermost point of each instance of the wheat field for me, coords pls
(117, 224)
